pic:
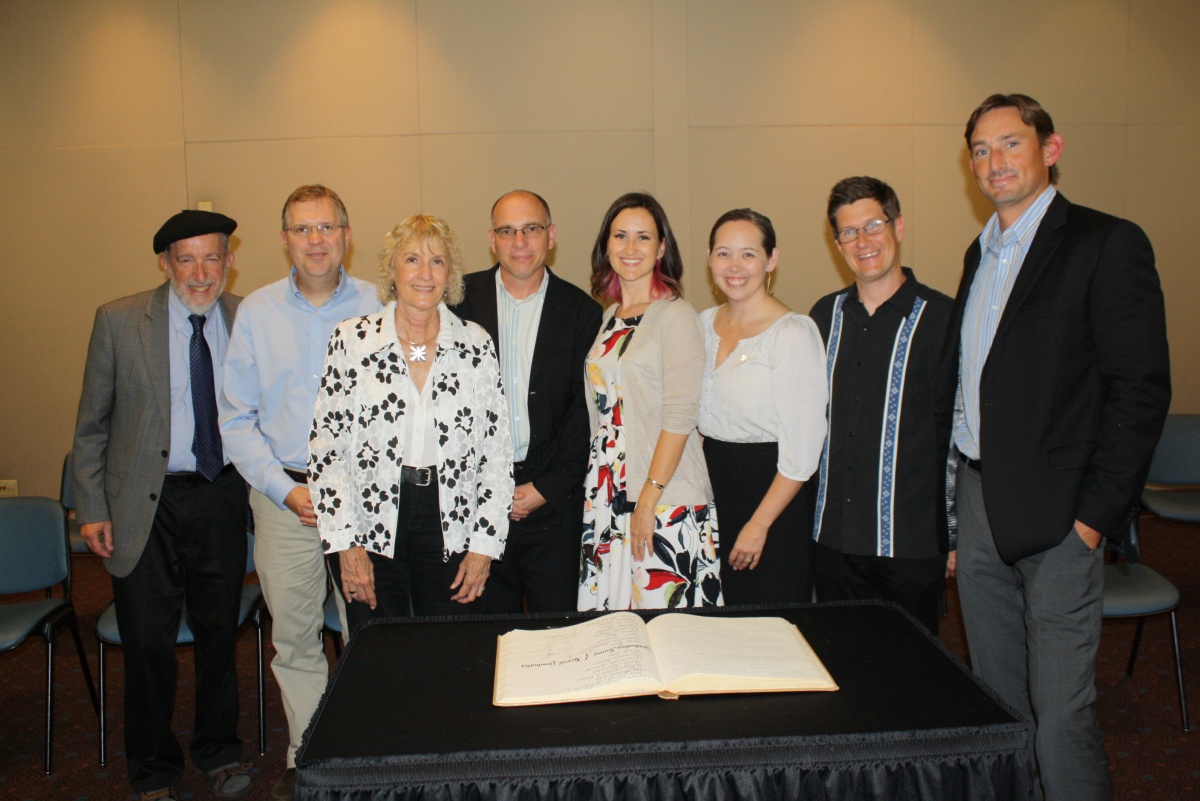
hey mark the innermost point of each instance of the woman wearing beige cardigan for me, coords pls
(649, 527)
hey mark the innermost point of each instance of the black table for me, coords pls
(408, 714)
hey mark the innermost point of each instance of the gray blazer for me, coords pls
(123, 429)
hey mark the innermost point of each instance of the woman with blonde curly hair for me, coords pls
(410, 454)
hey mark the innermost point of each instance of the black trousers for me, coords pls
(196, 552)
(416, 579)
(915, 584)
(540, 568)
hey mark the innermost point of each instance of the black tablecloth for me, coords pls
(408, 715)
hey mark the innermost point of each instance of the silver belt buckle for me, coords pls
(424, 475)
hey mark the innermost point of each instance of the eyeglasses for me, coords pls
(530, 231)
(873, 228)
(324, 229)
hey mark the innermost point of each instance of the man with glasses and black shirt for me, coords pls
(543, 328)
(881, 487)
(272, 373)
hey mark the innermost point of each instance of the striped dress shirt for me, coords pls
(1001, 255)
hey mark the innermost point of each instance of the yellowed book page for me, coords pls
(609, 657)
(737, 654)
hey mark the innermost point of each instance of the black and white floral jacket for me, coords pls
(355, 449)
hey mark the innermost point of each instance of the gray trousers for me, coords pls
(1033, 629)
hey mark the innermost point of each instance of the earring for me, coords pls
(771, 283)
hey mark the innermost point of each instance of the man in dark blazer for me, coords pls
(1053, 387)
(158, 499)
(543, 328)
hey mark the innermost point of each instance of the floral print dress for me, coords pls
(682, 569)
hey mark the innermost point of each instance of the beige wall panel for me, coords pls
(304, 68)
(790, 63)
(944, 211)
(88, 217)
(539, 65)
(579, 174)
(1164, 62)
(786, 173)
(1164, 168)
(1071, 56)
(1092, 167)
(378, 178)
(77, 72)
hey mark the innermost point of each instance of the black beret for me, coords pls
(189, 223)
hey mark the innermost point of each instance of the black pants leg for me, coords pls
(196, 551)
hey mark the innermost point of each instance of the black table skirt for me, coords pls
(408, 715)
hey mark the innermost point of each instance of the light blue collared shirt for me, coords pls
(1001, 255)
(183, 418)
(518, 329)
(272, 374)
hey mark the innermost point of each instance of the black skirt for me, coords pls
(741, 473)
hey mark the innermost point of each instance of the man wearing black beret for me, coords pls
(158, 498)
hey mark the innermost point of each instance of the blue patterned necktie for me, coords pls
(206, 444)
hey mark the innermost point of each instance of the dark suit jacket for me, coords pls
(1076, 385)
(559, 438)
(123, 429)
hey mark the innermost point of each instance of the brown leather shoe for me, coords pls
(164, 794)
(285, 788)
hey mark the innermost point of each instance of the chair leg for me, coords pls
(49, 696)
(83, 663)
(1137, 640)
(100, 672)
(1179, 673)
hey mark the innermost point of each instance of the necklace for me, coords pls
(417, 350)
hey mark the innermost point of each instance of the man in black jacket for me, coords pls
(543, 328)
(1053, 386)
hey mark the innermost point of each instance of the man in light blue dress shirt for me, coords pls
(272, 373)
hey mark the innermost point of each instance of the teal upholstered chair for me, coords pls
(251, 609)
(1175, 471)
(33, 542)
(1132, 589)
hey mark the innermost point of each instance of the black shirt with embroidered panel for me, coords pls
(882, 482)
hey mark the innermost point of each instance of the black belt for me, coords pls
(417, 476)
(180, 478)
(974, 464)
(299, 476)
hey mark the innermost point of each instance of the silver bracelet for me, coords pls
(656, 485)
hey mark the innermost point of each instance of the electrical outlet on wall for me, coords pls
(8, 488)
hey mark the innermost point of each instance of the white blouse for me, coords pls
(771, 388)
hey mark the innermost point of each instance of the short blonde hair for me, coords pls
(423, 228)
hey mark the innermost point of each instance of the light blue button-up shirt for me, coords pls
(183, 418)
(518, 328)
(272, 373)
(1001, 255)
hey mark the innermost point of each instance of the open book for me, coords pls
(619, 656)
